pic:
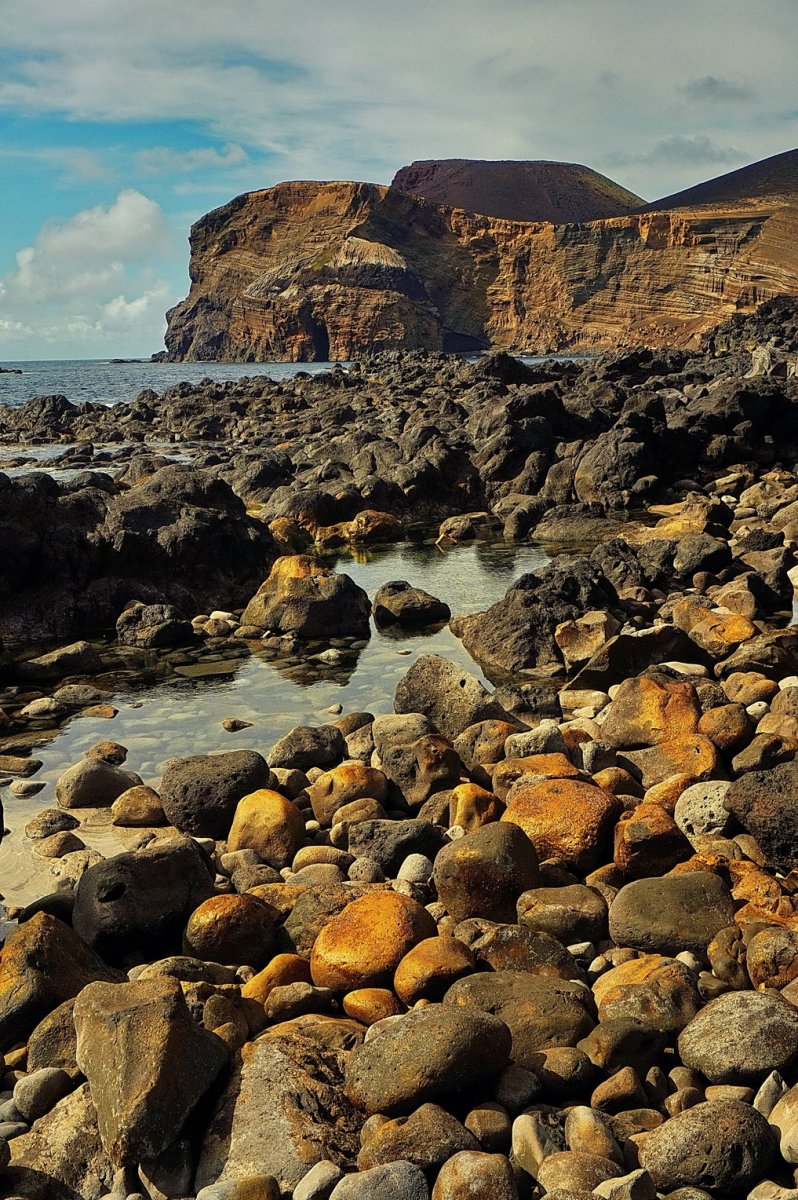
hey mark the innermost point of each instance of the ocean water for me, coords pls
(114, 382)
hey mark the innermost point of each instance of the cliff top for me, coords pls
(535, 190)
(776, 176)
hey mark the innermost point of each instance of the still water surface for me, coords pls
(179, 715)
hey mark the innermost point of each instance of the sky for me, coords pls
(123, 121)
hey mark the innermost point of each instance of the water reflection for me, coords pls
(172, 705)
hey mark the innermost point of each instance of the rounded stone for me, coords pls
(428, 970)
(426, 1054)
(370, 1005)
(671, 914)
(700, 809)
(232, 929)
(138, 806)
(541, 1011)
(394, 1181)
(574, 1171)
(199, 794)
(574, 913)
(653, 991)
(476, 1175)
(344, 785)
(566, 819)
(363, 945)
(740, 1037)
(484, 873)
(427, 1137)
(693, 1148)
(37, 1093)
(268, 823)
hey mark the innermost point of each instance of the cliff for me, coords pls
(518, 191)
(314, 271)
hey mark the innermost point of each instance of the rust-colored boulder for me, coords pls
(232, 929)
(304, 596)
(692, 754)
(428, 970)
(369, 1005)
(649, 842)
(363, 945)
(344, 784)
(471, 807)
(566, 819)
(652, 991)
(268, 823)
(550, 766)
(650, 709)
(728, 726)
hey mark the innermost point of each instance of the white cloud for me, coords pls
(165, 160)
(356, 89)
(91, 278)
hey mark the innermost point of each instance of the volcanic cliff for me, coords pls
(310, 271)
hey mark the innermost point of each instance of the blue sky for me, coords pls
(124, 120)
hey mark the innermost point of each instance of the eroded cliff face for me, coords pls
(318, 271)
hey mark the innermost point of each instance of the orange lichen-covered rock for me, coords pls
(265, 821)
(693, 755)
(552, 766)
(728, 726)
(668, 792)
(369, 1005)
(282, 970)
(654, 991)
(649, 842)
(304, 596)
(343, 784)
(649, 710)
(566, 819)
(471, 807)
(371, 525)
(617, 781)
(363, 945)
(428, 970)
(231, 929)
(718, 634)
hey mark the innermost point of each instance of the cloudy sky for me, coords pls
(125, 120)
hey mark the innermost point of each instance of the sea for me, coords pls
(111, 382)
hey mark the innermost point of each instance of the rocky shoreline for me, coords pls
(536, 939)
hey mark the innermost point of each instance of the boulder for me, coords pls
(138, 902)
(691, 1150)
(93, 783)
(266, 822)
(766, 805)
(153, 626)
(237, 930)
(43, 964)
(363, 945)
(517, 633)
(740, 1037)
(477, 1175)
(484, 873)
(427, 1054)
(343, 784)
(565, 819)
(671, 914)
(199, 794)
(452, 699)
(308, 746)
(147, 1062)
(395, 1181)
(62, 1156)
(282, 1111)
(304, 597)
(650, 709)
(426, 1138)
(400, 603)
(540, 1011)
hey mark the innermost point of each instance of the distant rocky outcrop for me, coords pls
(518, 191)
(323, 271)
